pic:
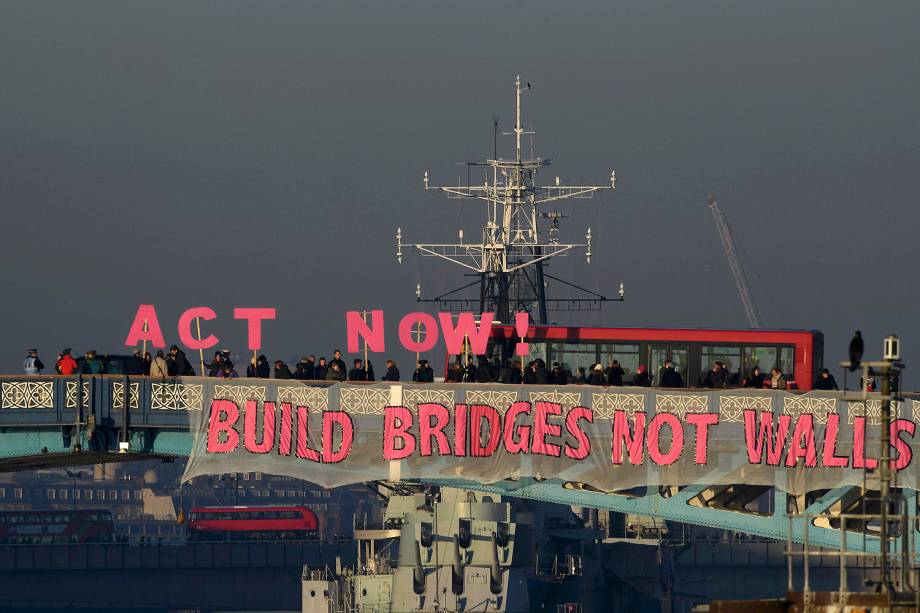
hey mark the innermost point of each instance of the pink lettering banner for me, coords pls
(605, 438)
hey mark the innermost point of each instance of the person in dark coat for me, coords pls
(282, 371)
(515, 376)
(641, 378)
(717, 377)
(826, 381)
(669, 377)
(755, 381)
(529, 376)
(581, 376)
(597, 376)
(357, 373)
(214, 366)
(392, 373)
(263, 368)
(337, 359)
(305, 369)
(135, 364)
(335, 372)
(483, 373)
(424, 373)
(321, 370)
(536, 374)
(227, 372)
(614, 373)
(180, 364)
(455, 372)
(369, 371)
(557, 375)
(469, 372)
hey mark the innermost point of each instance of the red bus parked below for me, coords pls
(252, 523)
(45, 527)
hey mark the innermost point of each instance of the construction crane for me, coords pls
(734, 262)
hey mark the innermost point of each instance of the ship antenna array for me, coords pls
(510, 257)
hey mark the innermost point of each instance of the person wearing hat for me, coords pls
(597, 376)
(32, 365)
(66, 365)
(424, 373)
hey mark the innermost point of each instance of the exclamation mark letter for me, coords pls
(521, 323)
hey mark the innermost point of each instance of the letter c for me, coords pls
(185, 328)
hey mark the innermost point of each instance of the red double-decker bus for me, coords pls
(252, 523)
(798, 354)
(46, 527)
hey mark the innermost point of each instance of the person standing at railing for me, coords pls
(777, 380)
(392, 373)
(135, 364)
(66, 365)
(322, 369)
(32, 365)
(91, 365)
(158, 367)
(825, 381)
(614, 373)
(305, 369)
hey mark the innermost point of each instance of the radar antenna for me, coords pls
(510, 258)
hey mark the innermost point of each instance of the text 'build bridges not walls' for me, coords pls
(610, 438)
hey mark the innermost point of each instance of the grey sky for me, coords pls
(247, 154)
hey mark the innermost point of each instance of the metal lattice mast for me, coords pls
(734, 262)
(509, 259)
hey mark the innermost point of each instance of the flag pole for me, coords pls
(418, 339)
(200, 350)
(364, 316)
(146, 329)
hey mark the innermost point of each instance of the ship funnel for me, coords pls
(418, 573)
(495, 571)
(456, 572)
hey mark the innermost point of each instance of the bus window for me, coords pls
(786, 362)
(763, 357)
(627, 355)
(573, 356)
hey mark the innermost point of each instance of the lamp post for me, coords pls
(887, 368)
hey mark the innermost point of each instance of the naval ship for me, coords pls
(447, 549)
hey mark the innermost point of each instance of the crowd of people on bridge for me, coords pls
(174, 362)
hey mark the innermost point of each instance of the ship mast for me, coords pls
(509, 261)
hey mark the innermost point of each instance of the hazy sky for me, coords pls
(263, 153)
